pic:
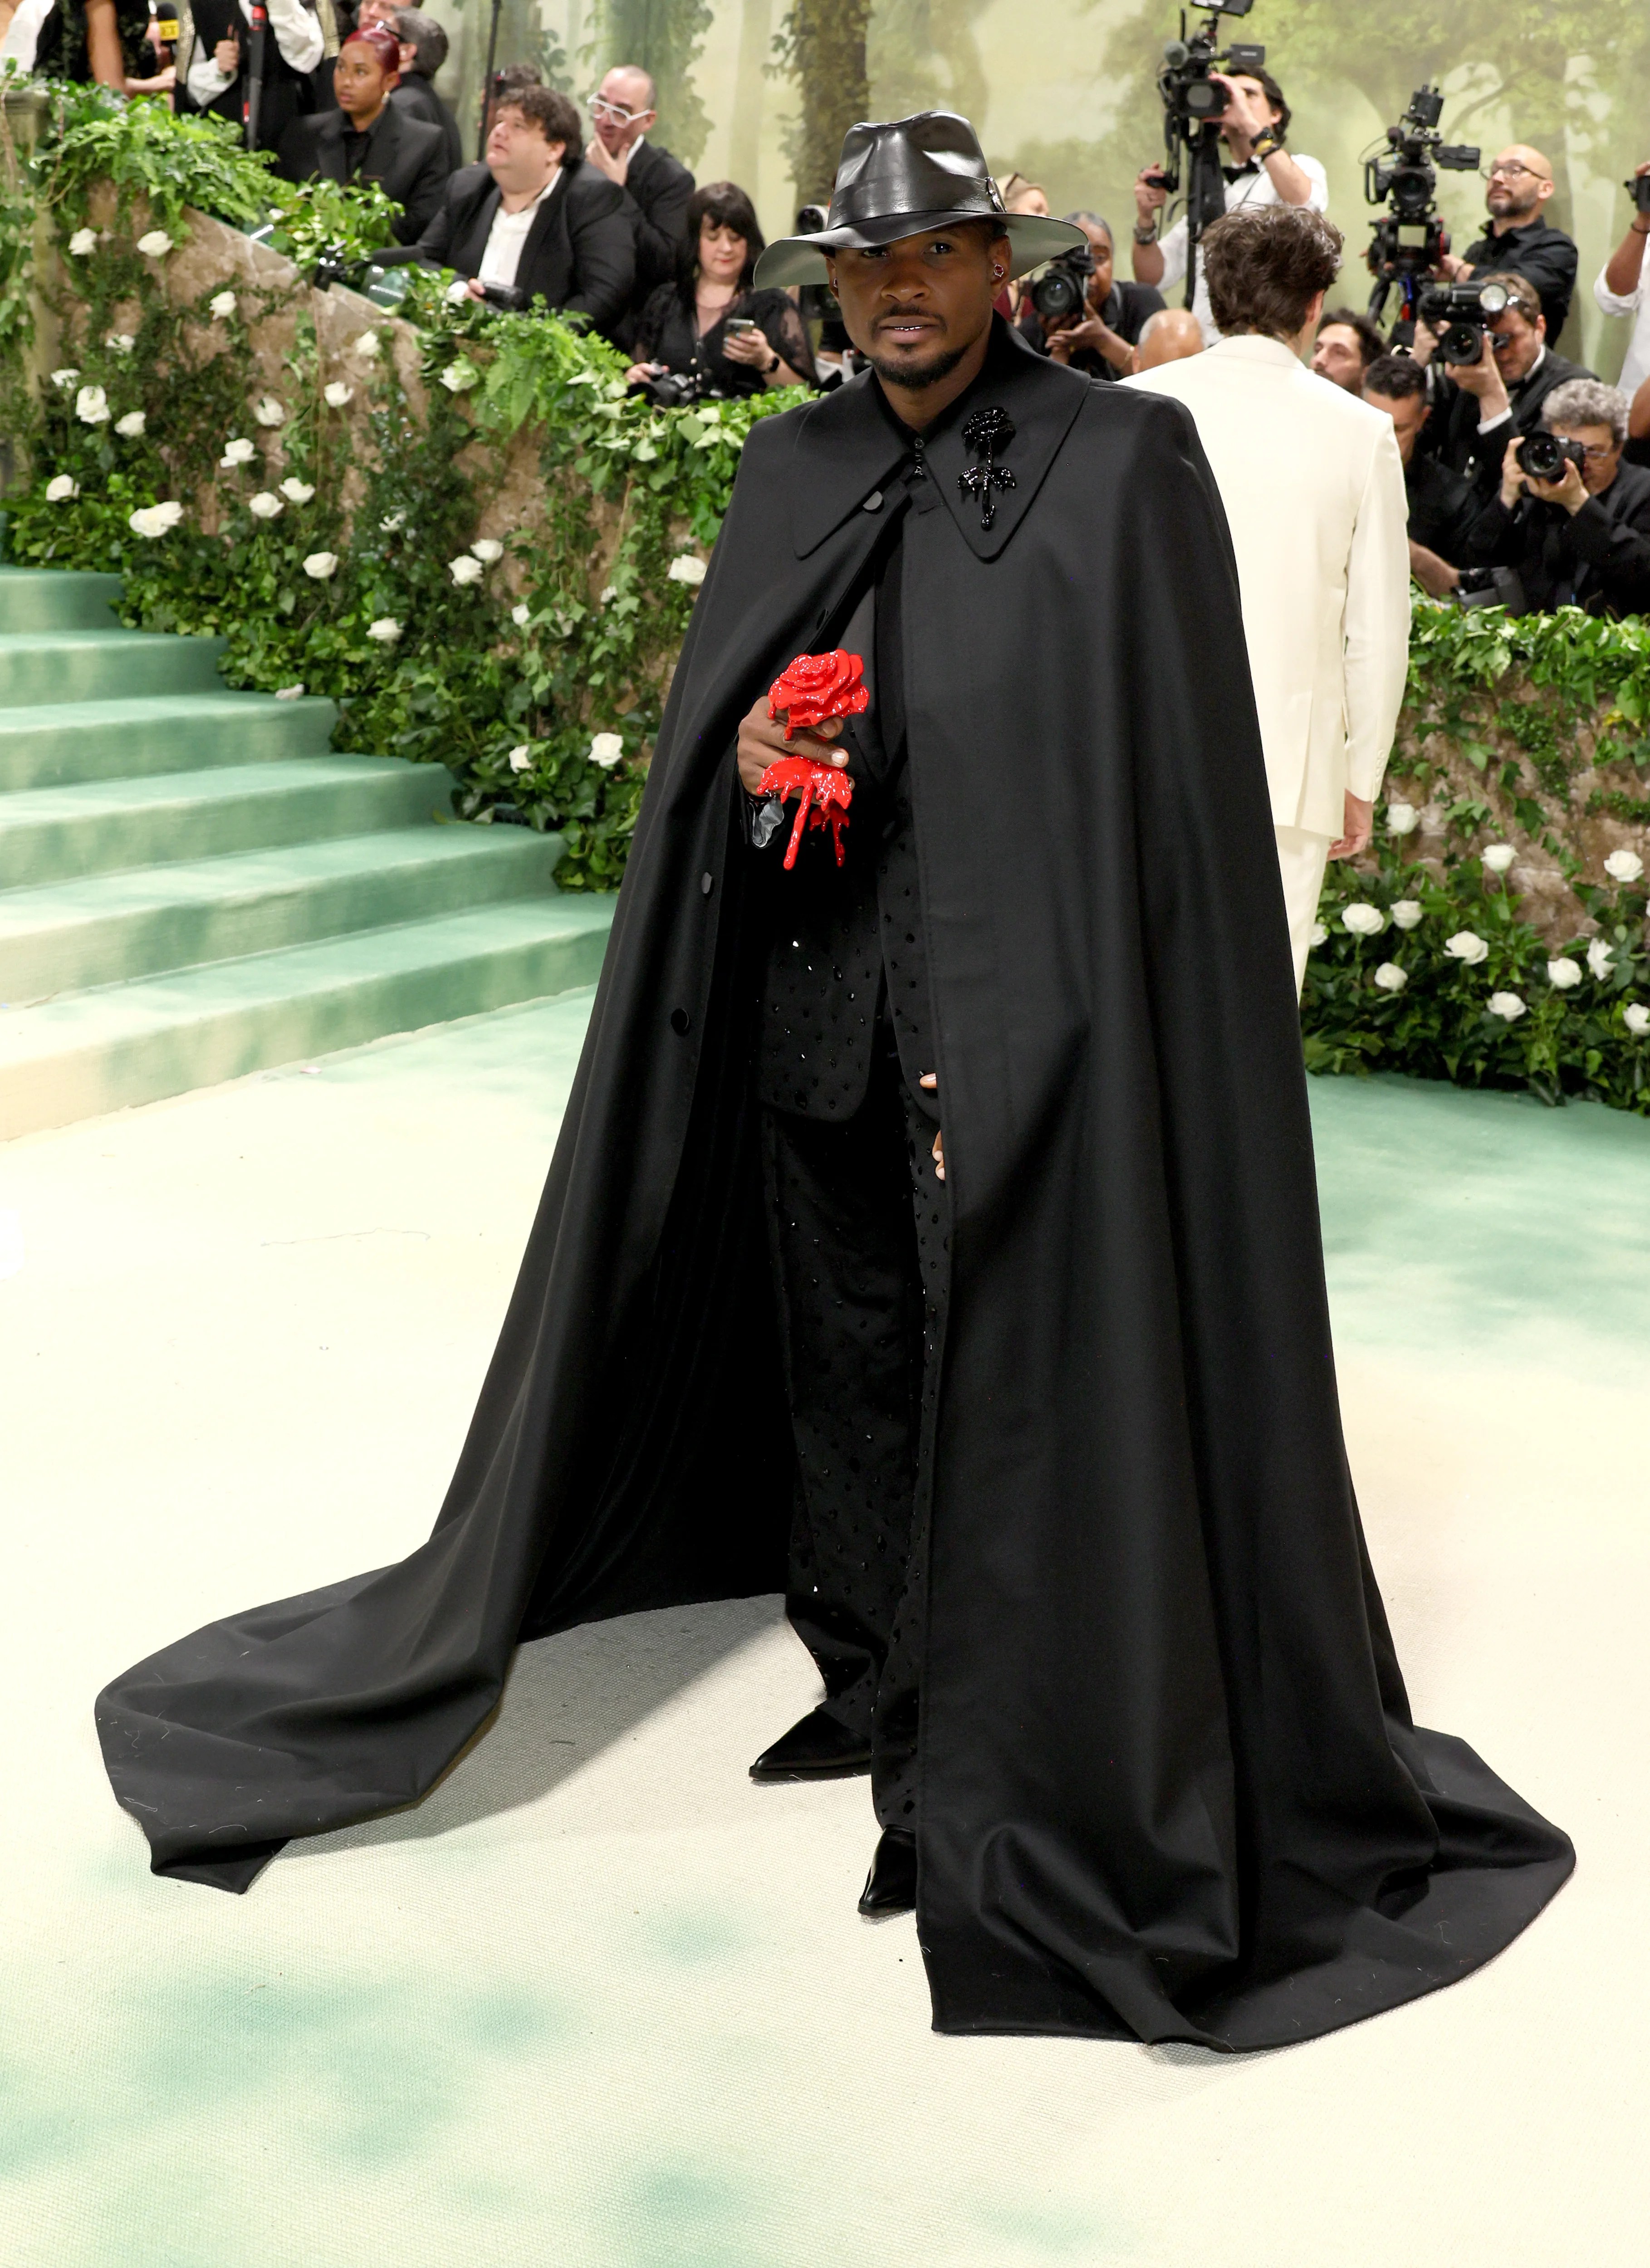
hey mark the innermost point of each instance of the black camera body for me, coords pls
(1638, 190)
(1062, 289)
(1194, 103)
(507, 296)
(674, 389)
(1544, 455)
(1409, 243)
(1465, 310)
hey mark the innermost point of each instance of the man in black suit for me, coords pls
(366, 138)
(1443, 506)
(1582, 539)
(656, 187)
(1479, 408)
(423, 49)
(535, 219)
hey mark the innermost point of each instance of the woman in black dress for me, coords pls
(709, 321)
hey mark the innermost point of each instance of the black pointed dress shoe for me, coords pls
(817, 1749)
(891, 1885)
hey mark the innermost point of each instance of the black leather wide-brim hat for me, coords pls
(903, 178)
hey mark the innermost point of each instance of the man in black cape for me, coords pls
(1134, 1699)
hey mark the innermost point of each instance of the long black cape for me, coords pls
(1170, 1788)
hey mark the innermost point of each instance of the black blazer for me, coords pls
(657, 189)
(1598, 559)
(1452, 431)
(404, 157)
(579, 256)
(416, 95)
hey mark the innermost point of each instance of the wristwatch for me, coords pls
(1265, 146)
(774, 364)
(1146, 235)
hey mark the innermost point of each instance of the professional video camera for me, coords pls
(1411, 241)
(1062, 289)
(1544, 455)
(1466, 310)
(1194, 104)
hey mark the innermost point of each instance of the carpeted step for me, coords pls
(100, 665)
(57, 598)
(52, 744)
(61, 834)
(141, 920)
(89, 1052)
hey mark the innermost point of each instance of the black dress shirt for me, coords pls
(578, 257)
(1597, 558)
(400, 153)
(1546, 255)
(669, 333)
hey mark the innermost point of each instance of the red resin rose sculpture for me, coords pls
(816, 685)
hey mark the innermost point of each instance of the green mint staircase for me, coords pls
(193, 885)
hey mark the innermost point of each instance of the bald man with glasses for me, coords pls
(1521, 185)
(657, 186)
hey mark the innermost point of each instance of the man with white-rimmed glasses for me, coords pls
(655, 186)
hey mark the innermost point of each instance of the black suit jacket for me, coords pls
(405, 157)
(417, 97)
(577, 256)
(1599, 558)
(1455, 419)
(657, 189)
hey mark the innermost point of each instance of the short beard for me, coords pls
(915, 377)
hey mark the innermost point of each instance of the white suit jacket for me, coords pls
(1312, 487)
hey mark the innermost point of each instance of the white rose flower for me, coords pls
(337, 393)
(265, 506)
(62, 379)
(289, 692)
(320, 566)
(521, 759)
(60, 488)
(687, 569)
(1564, 975)
(91, 406)
(237, 451)
(222, 306)
(458, 292)
(386, 629)
(1467, 945)
(486, 548)
(1498, 857)
(365, 346)
(1636, 1016)
(120, 342)
(1364, 920)
(156, 520)
(1624, 865)
(521, 615)
(612, 591)
(131, 425)
(1401, 819)
(156, 245)
(297, 491)
(459, 376)
(1316, 935)
(392, 520)
(1507, 1006)
(606, 749)
(465, 570)
(1390, 977)
(83, 243)
(269, 411)
(1406, 913)
(1600, 957)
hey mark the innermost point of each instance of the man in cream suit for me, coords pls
(1314, 492)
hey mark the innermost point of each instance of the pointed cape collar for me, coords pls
(850, 445)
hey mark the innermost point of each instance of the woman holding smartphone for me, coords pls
(709, 322)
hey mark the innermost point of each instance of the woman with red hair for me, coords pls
(370, 138)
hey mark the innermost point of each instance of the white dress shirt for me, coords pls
(1314, 492)
(1256, 188)
(297, 34)
(23, 33)
(507, 237)
(1636, 368)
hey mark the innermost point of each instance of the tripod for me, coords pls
(1205, 194)
(257, 62)
(487, 79)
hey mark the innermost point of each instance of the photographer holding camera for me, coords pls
(1571, 518)
(711, 331)
(1443, 506)
(534, 222)
(1518, 240)
(1492, 370)
(1252, 126)
(1077, 313)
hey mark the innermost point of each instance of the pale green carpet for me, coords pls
(602, 2003)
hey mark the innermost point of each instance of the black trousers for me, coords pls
(859, 1228)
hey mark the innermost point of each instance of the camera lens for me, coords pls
(1542, 454)
(1462, 342)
